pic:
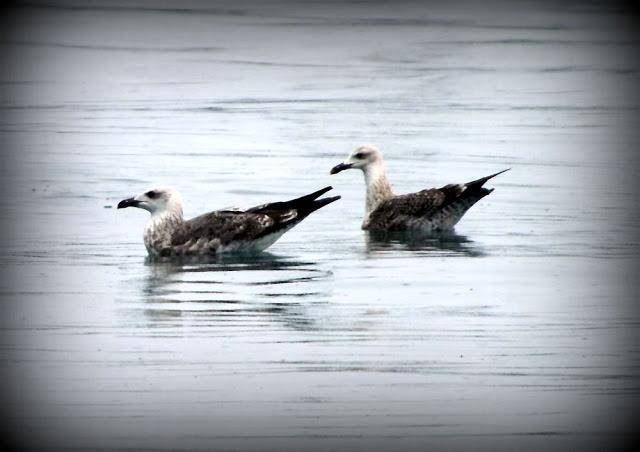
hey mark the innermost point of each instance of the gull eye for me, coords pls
(152, 194)
(360, 155)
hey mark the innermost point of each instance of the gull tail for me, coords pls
(316, 204)
(460, 198)
(304, 205)
(287, 214)
(309, 203)
(301, 201)
(477, 184)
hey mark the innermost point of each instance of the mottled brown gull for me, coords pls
(431, 210)
(248, 231)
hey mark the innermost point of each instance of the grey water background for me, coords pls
(518, 333)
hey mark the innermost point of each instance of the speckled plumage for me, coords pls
(252, 230)
(431, 210)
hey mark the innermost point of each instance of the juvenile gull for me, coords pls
(252, 230)
(431, 210)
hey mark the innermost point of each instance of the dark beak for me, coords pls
(341, 167)
(129, 202)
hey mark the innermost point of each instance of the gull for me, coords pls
(167, 233)
(431, 210)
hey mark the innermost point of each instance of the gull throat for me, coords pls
(378, 187)
(159, 230)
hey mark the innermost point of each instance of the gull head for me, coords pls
(360, 158)
(156, 201)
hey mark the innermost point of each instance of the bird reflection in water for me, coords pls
(239, 289)
(431, 244)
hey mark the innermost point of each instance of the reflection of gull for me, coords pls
(252, 230)
(234, 290)
(447, 244)
(432, 210)
(222, 263)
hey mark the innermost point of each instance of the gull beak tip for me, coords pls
(126, 203)
(340, 167)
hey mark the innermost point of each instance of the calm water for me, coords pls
(520, 332)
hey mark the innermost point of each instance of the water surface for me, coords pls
(519, 332)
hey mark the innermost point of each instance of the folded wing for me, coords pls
(434, 209)
(237, 228)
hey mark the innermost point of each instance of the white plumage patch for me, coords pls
(289, 215)
(253, 246)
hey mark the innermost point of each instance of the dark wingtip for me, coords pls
(496, 174)
(482, 180)
(311, 196)
(303, 202)
(500, 172)
(320, 192)
(319, 203)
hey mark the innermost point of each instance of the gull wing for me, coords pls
(446, 205)
(224, 227)
(221, 228)
(397, 212)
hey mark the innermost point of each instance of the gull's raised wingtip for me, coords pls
(498, 173)
(318, 203)
(482, 180)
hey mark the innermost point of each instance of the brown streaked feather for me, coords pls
(226, 226)
(440, 208)
(393, 212)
